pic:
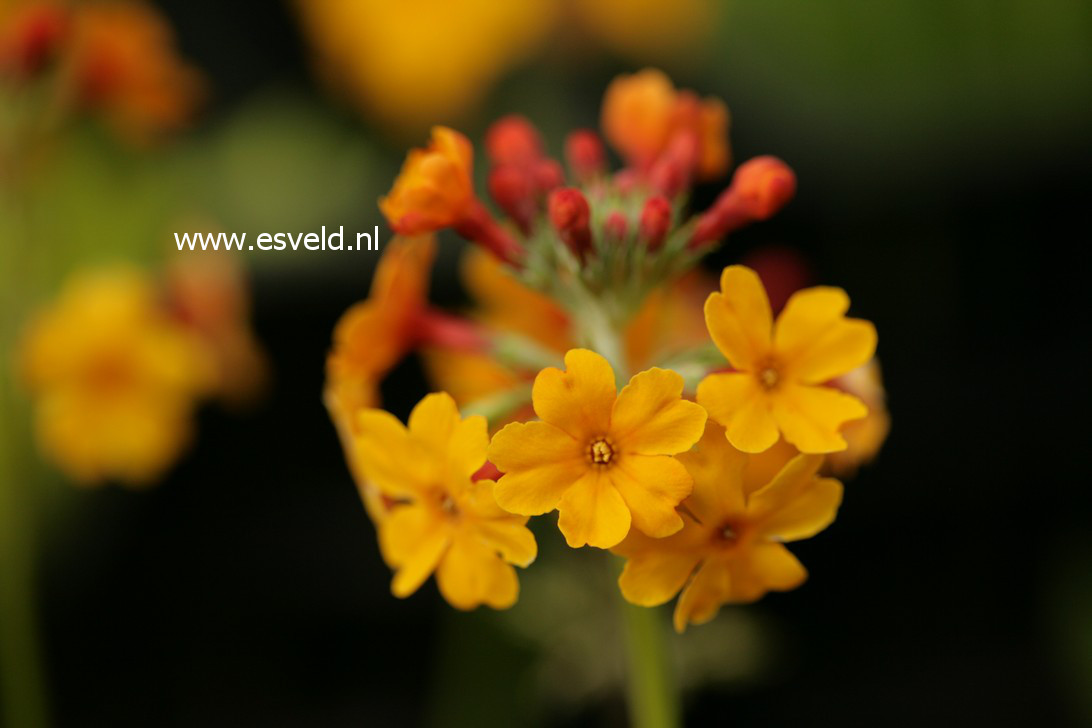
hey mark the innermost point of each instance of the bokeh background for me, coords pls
(943, 154)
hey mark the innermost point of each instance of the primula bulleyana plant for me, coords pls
(712, 454)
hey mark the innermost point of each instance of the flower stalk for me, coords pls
(652, 694)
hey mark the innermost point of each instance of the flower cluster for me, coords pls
(719, 446)
(115, 59)
(117, 364)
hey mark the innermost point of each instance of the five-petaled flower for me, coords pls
(442, 520)
(731, 548)
(603, 459)
(778, 386)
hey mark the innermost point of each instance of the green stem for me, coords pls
(651, 690)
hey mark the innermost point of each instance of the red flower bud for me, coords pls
(32, 38)
(570, 214)
(478, 226)
(616, 226)
(548, 175)
(655, 221)
(514, 191)
(584, 154)
(513, 140)
(760, 187)
(672, 172)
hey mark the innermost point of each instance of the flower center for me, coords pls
(601, 451)
(447, 505)
(769, 377)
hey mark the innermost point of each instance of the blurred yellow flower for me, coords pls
(373, 335)
(730, 549)
(411, 64)
(650, 30)
(602, 458)
(442, 520)
(779, 386)
(864, 437)
(114, 378)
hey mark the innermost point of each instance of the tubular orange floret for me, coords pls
(655, 221)
(760, 187)
(32, 39)
(513, 140)
(433, 327)
(570, 215)
(585, 155)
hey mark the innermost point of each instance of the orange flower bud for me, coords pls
(637, 115)
(548, 175)
(570, 215)
(655, 221)
(585, 155)
(434, 189)
(760, 187)
(514, 191)
(513, 140)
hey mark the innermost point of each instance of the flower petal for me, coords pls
(652, 486)
(472, 574)
(701, 598)
(774, 567)
(739, 318)
(579, 399)
(717, 469)
(650, 417)
(510, 538)
(813, 509)
(436, 422)
(389, 457)
(737, 401)
(540, 463)
(815, 339)
(654, 577)
(412, 540)
(810, 416)
(593, 513)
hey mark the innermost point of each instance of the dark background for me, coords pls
(943, 155)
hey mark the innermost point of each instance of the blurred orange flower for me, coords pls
(602, 458)
(114, 378)
(434, 189)
(730, 549)
(864, 437)
(441, 520)
(779, 386)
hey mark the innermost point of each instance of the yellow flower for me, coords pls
(864, 437)
(114, 379)
(445, 521)
(412, 63)
(782, 368)
(374, 334)
(434, 189)
(602, 458)
(730, 550)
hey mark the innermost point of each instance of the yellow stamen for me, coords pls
(601, 452)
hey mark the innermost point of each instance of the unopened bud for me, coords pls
(31, 39)
(616, 227)
(760, 187)
(548, 175)
(569, 214)
(514, 192)
(513, 140)
(655, 221)
(584, 154)
(674, 169)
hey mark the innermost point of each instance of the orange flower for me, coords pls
(434, 189)
(866, 436)
(374, 334)
(643, 113)
(124, 64)
(731, 547)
